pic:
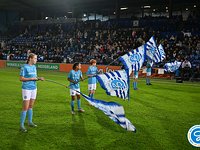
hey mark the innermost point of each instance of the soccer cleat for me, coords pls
(135, 88)
(150, 84)
(32, 125)
(73, 113)
(23, 129)
(81, 110)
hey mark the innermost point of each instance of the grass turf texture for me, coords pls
(162, 114)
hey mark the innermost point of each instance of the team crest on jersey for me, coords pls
(25, 97)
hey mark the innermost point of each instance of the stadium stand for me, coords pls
(103, 40)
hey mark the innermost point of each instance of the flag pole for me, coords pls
(103, 68)
(112, 62)
(52, 81)
(48, 80)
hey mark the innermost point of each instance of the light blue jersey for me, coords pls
(28, 71)
(135, 74)
(148, 67)
(92, 70)
(75, 76)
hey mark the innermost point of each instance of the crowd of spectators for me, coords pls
(103, 41)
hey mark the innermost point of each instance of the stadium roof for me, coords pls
(99, 6)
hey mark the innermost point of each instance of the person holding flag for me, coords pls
(28, 76)
(74, 76)
(92, 80)
(135, 79)
(148, 73)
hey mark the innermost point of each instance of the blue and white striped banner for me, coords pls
(113, 110)
(152, 51)
(116, 83)
(172, 67)
(134, 59)
(162, 52)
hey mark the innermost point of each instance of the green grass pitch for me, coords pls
(162, 114)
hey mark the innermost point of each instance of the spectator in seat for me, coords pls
(186, 69)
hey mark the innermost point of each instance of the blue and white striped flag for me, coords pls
(150, 62)
(113, 110)
(116, 83)
(172, 67)
(134, 59)
(162, 52)
(152, 51)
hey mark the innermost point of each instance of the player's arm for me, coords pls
(89, 73)
(23, 79)
(41, 78)
(70, 80)
(97, 72)
(22, 74)
(93, 75)
(81, 78)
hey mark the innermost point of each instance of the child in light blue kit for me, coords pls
(92, 80)
(74, 76)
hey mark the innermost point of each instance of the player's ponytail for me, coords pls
(30, 56)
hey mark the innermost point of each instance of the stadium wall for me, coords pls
(46, 66)
(56, 66)
(2, 63)
(156, 73)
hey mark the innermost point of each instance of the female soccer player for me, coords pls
(28, 76)
(74, 76)
(91, 73)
